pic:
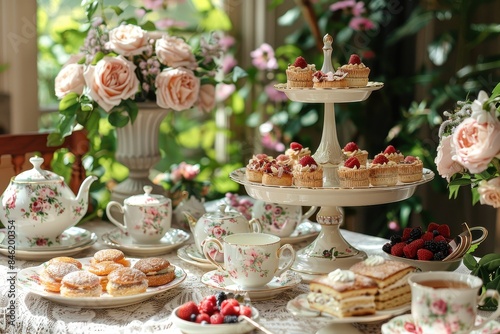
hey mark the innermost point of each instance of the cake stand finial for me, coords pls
(327, 54)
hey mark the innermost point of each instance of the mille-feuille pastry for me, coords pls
(158, 271)
(80, 284)
(391, 278)
(53, 273)
(343, 293)
(66, 259)
(126, 281)
(110, 254)
(103, 269)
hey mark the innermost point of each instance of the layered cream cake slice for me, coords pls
(342, 293)
(391, 278)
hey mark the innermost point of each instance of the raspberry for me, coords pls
(295, 146)
(444, 230)
(425, 254)
(300, 62)
(397, 249)
(354, 59)
(409, 159)
(216, 318)
(230, 307)
(352, 162)
(406, 233)
(411, 249)
(380, 159)
(351, 147)
(307, 160)
(246, 310)
(185, 310)
(390, 149)
(427, 236)
(207, 306)
(432, 227)
(439, 238)
(203, 317)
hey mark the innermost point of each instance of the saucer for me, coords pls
(304, 231)
(193, 252)
(184, 255)
(42, 255)
(222, 281)
(70, 238)
(403, 324)
(172, 239)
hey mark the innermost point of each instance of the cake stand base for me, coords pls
(329, 251)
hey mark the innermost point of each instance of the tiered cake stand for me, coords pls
(329, 250)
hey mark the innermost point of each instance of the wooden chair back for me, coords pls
(21, 146)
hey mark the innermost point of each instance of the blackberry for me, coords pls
(230, 319)
(416, 233)
(220, 297)
(439, 256)
(395, 239)
(431, 245)
(443, 247)
(387, 248)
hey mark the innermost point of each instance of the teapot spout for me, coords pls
(84, 189)
(191, 220)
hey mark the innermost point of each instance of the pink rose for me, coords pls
(128, 40)
(445, 165)
(439, 307)
(175, 52)
(476, 144)
(206, 99)
(111, 80)
(177, 89)
(489, 192)
(69, 80)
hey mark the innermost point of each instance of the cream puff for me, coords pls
(126, 281)
(158, 271)
(80, 284)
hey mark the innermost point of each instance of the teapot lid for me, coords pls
(221, 213)
(146, 199)
(37, 174)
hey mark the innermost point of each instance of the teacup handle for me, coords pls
(483, 235)
(206, 252)
(111, 218)
(255, 225)
(290, 261)
(493, 294)
(309, 212)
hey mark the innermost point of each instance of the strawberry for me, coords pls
(427, 236)
(410, 159)
(300, 62)
(397, 249)
(295, 146)
(380, 159)
(351, 147)
(354, 59)
(432, 227)
(185, 310)
(424, 254)
(406, 233)
(352, 162)
(207, 306)
(229, 309)
(390, 149)
(212, 298)
(246, 310)
(444, 230)
(410, 250)
(307, 160)
(439, 238)
(202, 317)
(231, 301)
(216, 318)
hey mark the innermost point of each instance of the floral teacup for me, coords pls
(147, 217)
(250, 259)
(446, 302)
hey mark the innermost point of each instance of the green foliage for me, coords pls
(488, 269)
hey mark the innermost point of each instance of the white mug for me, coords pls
(250, 259)
(147, 218)
(279, 219)
(444, 301)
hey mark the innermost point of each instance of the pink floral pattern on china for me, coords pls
(253, 260)
(152, 223)
(272, 213)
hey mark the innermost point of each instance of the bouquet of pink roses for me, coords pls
(469, 148)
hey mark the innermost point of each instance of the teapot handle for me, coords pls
(111, 218)
(309, 212)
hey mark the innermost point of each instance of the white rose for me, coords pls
(489, 192)
(69, 79)
(175, 52)
(128, 40)
(111, 80)
(177, 89)
(206, 100)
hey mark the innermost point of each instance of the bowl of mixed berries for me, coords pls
(219, 313)
(423, 248)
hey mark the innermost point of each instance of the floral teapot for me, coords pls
(40, 205)
(218, 224)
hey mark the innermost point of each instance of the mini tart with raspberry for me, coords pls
(357, 72)
(296, 152)
(300, 74)
(382, 171)
(393, 154)
(330, 79)
(308, 173)
(351, 149)
(277, 175)
(410, 170)
(255, 167)
(352, 174)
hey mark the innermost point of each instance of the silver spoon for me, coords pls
(254, 323)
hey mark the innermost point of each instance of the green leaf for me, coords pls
(238, 73)
(149, 26)
(98, 56)
(117, 9)
(469, 261)
(131, 108)
(417, 20)
(289, 17)
(118, 119)
(54, 139)
(68, 100)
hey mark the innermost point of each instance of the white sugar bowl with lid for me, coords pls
(147, 217)
(41, 205)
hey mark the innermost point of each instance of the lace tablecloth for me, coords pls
(38, 315)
